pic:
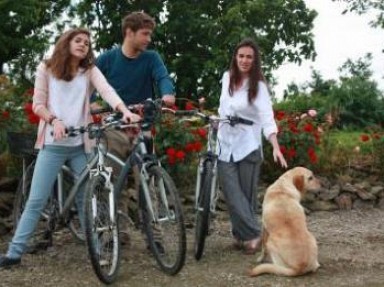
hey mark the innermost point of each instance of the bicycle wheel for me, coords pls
(165, 231)
(203, 209)
(101, 229)
(42, 237)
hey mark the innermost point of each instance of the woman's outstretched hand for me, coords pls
(278, 156)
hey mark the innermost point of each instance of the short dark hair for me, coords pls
(136, 21)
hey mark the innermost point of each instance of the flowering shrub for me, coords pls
(16, 108)
(299, 136)
(178, 143)
(372, 144)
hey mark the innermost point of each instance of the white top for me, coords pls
(240, 140)
(66, 101)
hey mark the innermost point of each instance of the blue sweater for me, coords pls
(134, 79)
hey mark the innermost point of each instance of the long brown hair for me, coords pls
(59, 63)
(255, 74)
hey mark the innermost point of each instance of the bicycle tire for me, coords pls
(102, 234)
(166, 235)
(203, 211)
(41, 238)
(69, 179)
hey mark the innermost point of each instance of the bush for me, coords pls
(178, 143)
(299, 137)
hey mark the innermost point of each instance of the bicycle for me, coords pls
(160, 210)
(101, 235)
(206, 192)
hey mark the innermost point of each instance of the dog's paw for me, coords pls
(260, 258)
(249, 272)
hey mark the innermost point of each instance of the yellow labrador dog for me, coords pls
(285, 237)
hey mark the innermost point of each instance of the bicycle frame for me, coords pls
(94, 167)
(143, 159)
(209, 154)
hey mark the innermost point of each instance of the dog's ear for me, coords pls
(298, 181)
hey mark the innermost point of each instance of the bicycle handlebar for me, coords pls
(232, 120)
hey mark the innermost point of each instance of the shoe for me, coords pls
(252, 246)
(6, 262)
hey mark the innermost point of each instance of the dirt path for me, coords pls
(351, 253)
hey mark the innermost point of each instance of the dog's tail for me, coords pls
(272, 268)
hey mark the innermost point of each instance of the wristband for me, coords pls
(51, 119)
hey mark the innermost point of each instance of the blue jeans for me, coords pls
(49, 161)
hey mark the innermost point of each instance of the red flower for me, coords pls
(283, 149)
(198, 146)
(376, 136)
(312, 155)
(96, 119)
(28, 108)
(190, 147)
(5, 115)
(293, 128)
(189, 106)
(202, 132)
(291, 152)
(180, 155)
(280, 115)
(33, 118)
(364, 138)
(308, 128)
(171, 152)
(29, 92)
(174, 107)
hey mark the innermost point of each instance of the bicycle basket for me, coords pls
(21, 144)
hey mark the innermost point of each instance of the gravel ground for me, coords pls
(351, 253)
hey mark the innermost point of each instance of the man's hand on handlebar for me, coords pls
(169, 100)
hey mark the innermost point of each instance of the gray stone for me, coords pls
(375, 190)
(328, 194)
(321, 205)
(344, 201)
(363, 204)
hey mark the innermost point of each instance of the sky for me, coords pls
(337, 37)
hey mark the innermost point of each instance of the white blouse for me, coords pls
(240, 140)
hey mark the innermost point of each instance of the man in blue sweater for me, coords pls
(134, 72)
(131, 69)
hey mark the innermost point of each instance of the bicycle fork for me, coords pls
(106, 173)
(144, 179)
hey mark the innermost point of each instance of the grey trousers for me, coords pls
(238, 181)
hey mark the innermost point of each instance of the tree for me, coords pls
(364, 6)
(196, 38)
(24, 34)
(357, 99)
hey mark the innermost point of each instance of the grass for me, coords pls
(349, 140)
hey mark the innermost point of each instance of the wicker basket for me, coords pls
(21, 144)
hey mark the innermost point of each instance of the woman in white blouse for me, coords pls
(245, 94)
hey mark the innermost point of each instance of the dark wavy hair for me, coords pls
(255, 74)
(61, 56)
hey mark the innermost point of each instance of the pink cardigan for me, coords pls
(41, 94)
